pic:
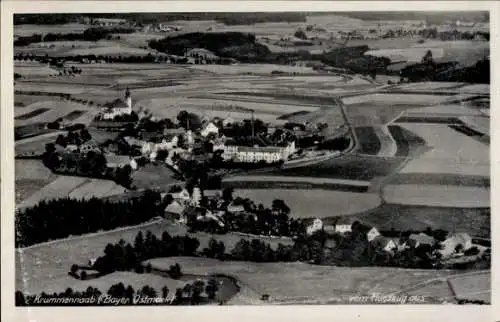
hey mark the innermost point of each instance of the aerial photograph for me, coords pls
(252, 158)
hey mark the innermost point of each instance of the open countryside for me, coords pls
(252, 158)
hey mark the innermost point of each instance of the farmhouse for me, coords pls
(317, 225)
(384, 243)
(174, 210)
(460, 241)
(119, 161)
(344, 224)
(416, 240)
(182, 196)
(370, 232)
(208, 129)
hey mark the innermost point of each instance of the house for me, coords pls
(71, 147)
(344, 224)
(120, 161)
(182, 196)
(174, 210)
(317, 225)
(370, 232)
(232, 208)
(416, 240)
(450, 244)
(208, 129)
(384, 243)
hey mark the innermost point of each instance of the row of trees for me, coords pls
(60, 218)
(90, 34)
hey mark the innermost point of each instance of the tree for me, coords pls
(164, 292)
(83, 275)
(300, 34)
(175, 271)
(61, 140)
(197, 289)
(459, 248)
(211, 288)
(74, 269)
(20, 299)
(427, 59)
(227, 194)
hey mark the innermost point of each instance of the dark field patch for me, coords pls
(295, 97)
(368, 140)
(32, 114)
(74, 115)
(428, 119)
(406, 141)
(441, 179)
(474, 221)
(353, 167)
(30, 130)
(290, 115)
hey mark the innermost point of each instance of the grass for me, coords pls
(300, 283)
(154, 177)
(452, 152)
(406, 141)
(472, 287)
(43, 265)
(29, 130)
(28, 30)
(439, 195)
(305, 203)
(74, 115)
(31, 114)
(474, 221)
(368, 140)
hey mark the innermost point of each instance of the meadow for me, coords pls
(300, 283)
(154, 177)
(315, 203)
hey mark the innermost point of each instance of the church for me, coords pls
(118, 107)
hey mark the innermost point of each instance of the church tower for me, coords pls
(128, 101)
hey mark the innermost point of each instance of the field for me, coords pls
(465, 52)
(28, 30)
(472, 287)
(34, 146)
(300, 283)
(48, 111)
(30, 176)
(74, 187)
(314, 203)
(438, 195)
(38, 267)
(474, 221)
(154, 177)
(451, 152)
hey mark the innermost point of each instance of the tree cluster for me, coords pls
(60, 218)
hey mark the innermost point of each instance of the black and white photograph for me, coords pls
(251, 158)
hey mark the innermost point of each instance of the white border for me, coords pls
(250, 313)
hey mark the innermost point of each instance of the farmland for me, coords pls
(300, 283)
(154, 177)
(320, 203)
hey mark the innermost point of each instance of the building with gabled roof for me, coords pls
(416, 240)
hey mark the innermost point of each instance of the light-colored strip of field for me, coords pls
(306, 203)
(430, 86)
(437, 195)
(358, 183)
(451, 152)
(53, 88)
(60, 187)
(452, 110)
(388, 146)
(410, 99)
(31, 169)
(57, 110)
(95, 188)
(476, 89)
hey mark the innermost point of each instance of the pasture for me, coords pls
(47, 111)
(472, 287)
(474, 221)
(28, 30)
(438, 195)
(315, 203)
(451, 152)
(154, 177)
(37, 267)
(300, 283)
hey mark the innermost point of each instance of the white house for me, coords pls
(450, 244)
(344, 224)
(175, 209)
(182, 195)
(317, 225)
(372, 234)
(385, 244)
(208, 129)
